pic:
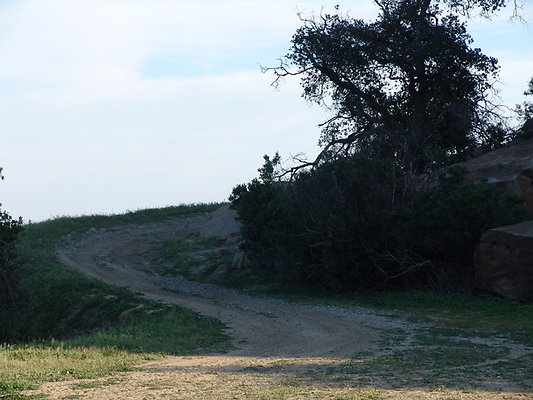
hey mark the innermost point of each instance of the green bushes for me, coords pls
(359, 223)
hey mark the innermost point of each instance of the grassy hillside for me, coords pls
(67, 325)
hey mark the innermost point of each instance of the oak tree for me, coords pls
(407, 86)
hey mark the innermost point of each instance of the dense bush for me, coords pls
(361, 224)
(9, 230)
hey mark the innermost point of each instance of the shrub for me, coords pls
(357, 223)
(9, 230)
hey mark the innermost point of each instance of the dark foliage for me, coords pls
(407, 85)
(354, 224)
(525, 110)
(9, 230)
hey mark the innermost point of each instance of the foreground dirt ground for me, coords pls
(281, 350)
(258, 378)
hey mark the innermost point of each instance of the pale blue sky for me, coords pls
(109, 105)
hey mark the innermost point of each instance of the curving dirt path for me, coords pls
(259, 326)
(280, 349)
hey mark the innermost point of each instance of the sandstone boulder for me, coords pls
(503, 261)
(510, 167)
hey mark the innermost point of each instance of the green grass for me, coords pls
(172, 330)
(25, 367)
(197, 257)
(485, 315)
(69, 326)
(192, 256)
(435, 359)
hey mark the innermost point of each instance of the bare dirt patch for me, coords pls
(281, 350)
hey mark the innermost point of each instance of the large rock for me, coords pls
(510, 167)
(503, 261)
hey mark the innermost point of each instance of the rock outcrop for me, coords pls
(509, 167)
(503, 261)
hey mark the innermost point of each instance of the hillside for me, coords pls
(397, 346)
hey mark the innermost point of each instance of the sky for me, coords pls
(115, 105)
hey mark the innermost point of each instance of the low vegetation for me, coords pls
(193, 256)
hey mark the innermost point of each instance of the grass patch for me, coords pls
(478, 315)
(25, 367)
(192, 256)
(452, 365)
(99, 329)
(174, 330)
(198, 258)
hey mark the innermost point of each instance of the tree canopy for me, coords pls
(408, 85)
(525, 110)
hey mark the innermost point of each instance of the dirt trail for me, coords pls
(259, 326)
(275, 342)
